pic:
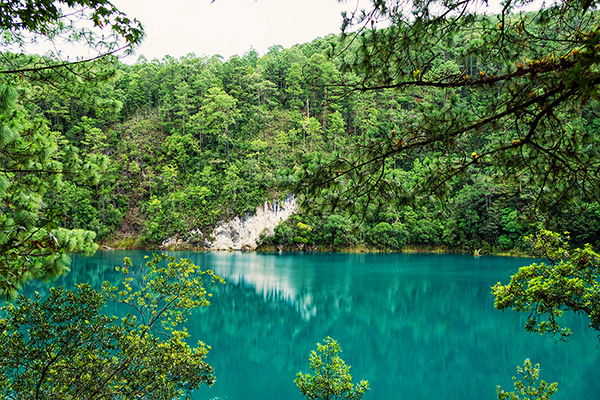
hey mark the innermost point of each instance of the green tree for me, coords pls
(65, 347)
(530, 390)
(569, 282)
(331, 379)
(219, 113)
(388, 236)
(98, 24)
(294, 89)
(336, 129)
(312, 131)
(32, 244)
(516, 83)
(337, 231)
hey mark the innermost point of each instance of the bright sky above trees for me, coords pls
(229, 27)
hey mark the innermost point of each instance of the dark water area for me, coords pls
(417, 326)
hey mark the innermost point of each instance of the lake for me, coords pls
(417, 326)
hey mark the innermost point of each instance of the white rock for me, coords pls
(239, 234)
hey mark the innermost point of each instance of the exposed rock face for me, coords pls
(243, 234)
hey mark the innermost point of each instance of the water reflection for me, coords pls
(266, 278)
(416, 326)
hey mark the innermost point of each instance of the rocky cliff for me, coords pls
(243, 233)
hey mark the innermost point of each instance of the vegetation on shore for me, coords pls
(175, 146)
(446, 129)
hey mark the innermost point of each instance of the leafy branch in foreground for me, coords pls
(531, 374)
(64, 346)
(97, 24)
(511, 92)
(32, 244)
(544, 291)
(332, 379)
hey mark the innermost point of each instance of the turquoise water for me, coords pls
(417, 326)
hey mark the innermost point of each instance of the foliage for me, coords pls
(98, 24)
(32, 244)
(544, 292)
(33, 156)
(531, 376)
(65, 346)
(331, 379)
(179, 145)
(491, 87)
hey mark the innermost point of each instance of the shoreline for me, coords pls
(409, 249)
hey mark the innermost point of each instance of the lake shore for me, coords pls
(132, 243)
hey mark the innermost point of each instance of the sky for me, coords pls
(228, 27)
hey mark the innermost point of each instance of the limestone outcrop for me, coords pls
(244, 233)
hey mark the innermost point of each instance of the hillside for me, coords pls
(179, 145)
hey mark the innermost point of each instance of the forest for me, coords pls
(175, 146)
(445, 130)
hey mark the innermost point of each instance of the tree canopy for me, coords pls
(569, 282)
(495, 85)
(65, 346)
(32, 243)
(33, 156)
(332, 379)
(533, 388)
(96, 24)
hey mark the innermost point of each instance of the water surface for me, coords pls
(417, 326)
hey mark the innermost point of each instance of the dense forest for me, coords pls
(448, 129)
(182, 144)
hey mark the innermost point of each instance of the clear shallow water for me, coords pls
(417, 326)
